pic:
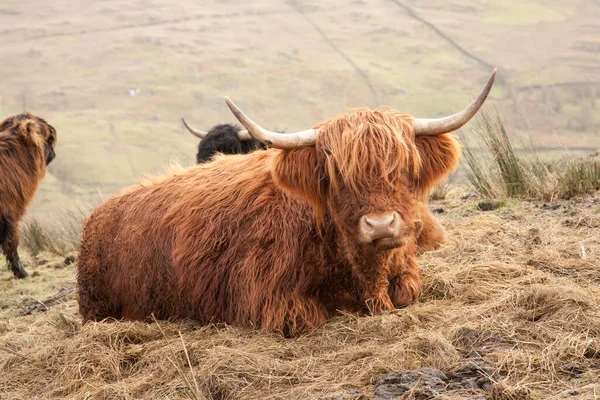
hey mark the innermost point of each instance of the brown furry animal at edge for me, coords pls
(432, 234)
(267, 239)
(26, 147)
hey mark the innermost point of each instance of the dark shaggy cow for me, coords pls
(225, 139)
(26, 147)
(279, 239)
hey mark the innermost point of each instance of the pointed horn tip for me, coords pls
(274, 139)
(436, 126)
(196, 132)
(490, 83)
(232, 106)
(238, 113)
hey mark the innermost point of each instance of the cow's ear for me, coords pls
(439, 157)
(29, 130)
(300, 173)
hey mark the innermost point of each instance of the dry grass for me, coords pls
(57, 233)
(516, 289)
(505, 166)
(440, 191)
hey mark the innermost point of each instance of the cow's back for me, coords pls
(120, 259)
(194, 244)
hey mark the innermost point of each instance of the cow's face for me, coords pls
(49, 134)
(365, 168)
(362, 173)
(369, 160)
(33, 132)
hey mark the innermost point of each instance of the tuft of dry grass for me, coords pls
(511, 294)
(506, 167)
(441, 190)
(579, 176)
(55, 234)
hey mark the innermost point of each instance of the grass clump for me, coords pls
(577, 177)
(505, 167)
(441, 190)
(58, 238)
(37, 239)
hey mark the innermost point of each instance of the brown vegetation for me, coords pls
(513, 298)
(506, 167)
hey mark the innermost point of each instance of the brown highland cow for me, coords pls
(280, 239)
(26, 147)
(230, 139)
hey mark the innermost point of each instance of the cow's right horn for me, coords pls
(274, 139)
(438, 126)
(196, 132)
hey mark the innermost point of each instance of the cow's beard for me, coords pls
(371, 265)
(376, 255)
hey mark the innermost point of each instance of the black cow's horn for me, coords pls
(196, 132)
(242, 133)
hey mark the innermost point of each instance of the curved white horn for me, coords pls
(437, 126)
(273, 139)
(196, 132)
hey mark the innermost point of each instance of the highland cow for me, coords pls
(26, 148)
(279, 240)
(231, 139)
(224, 139)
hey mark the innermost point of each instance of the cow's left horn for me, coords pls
(437, 126)
(196, 132)
(274, 139)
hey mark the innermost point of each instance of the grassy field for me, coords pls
(510, 310)
(115, 79)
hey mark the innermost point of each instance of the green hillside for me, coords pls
(115, 79)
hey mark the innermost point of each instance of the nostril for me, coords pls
(393, 222)
(367, 224)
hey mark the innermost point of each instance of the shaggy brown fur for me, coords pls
(267, 239)
(26, 147)
(446, 151)
(432, 234)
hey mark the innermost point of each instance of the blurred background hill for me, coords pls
(115, 77)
